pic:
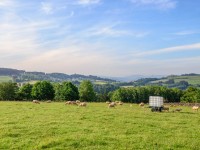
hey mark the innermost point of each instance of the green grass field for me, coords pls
(190, 79)
(193, 80)
(5, 79)
(24, 126)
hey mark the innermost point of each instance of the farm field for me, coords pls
(25, 125)
(5, 79)
(193, 80)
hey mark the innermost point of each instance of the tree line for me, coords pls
(86, 91)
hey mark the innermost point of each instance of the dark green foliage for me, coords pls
(8, 91)
(24, 92)
(86, 91)
(192, 94)
(43, 90)
(66, 91)
(170, 81)
(125, 95)
(144, 81)
(141, 94)
(102, 91)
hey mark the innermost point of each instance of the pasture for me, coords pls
(5, 79)
(24, 125)
(193, 80)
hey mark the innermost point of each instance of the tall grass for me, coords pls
(24, 125)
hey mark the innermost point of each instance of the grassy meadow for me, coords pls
(193, 80)
(24, 126)
(5, 79)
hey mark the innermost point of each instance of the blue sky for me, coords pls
(101, 37)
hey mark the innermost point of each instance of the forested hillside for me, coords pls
(173, 81)
(25, 76)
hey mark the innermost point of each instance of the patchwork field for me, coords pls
(25, 125)
(193, 80)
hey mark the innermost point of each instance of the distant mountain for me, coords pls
(25, 76)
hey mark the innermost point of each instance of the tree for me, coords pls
(8, 91)
(66, 91)
(102, 91)
(86, 91)
(192, 94)
(170, 81)
(42, 90)
(125, 95)
(24, 92)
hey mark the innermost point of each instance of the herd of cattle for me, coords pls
(166, 107)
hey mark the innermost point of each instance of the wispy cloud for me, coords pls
(195, 46)
(6, 3)
(161, 4)
(186, 32)
(88, 2)
(112, 30)
(47, 8)
(108, 31)
(77, 55)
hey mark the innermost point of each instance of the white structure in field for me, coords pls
(155, 101)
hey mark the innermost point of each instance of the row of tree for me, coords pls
(141, 94)
(45, 90)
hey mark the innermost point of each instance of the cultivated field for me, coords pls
(24, 125)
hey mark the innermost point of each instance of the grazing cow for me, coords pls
(49, 101)
(36, 102)
(195, 108)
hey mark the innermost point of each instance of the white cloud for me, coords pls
(109, 31)
(72, 59)
(88, 2)
(195, 46)
(6, 3)
(47, 8)
(161, 4)
(112, 31)
(187, 32)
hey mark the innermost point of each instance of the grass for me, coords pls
(5, 79)
(25, 125)
(100, 82)
(190, 79)
(193, 80)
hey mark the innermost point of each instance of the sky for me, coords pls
(101, 37)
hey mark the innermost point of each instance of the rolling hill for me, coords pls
(7, 74)
(178, 81)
